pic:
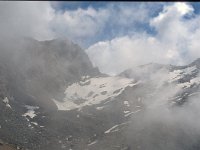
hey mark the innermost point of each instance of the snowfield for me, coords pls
(91, 91)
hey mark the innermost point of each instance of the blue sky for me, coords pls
(115, 35)
(98, 4)
(74, 5)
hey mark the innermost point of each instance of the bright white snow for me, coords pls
(6, 101)
(112, 128)
(93, 91)
(31, 111)
(178, 74)
(35, 123)
(126, 111)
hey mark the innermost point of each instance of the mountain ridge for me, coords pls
(39, 79)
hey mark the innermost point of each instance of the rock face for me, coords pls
(52, 98)
(41, 70)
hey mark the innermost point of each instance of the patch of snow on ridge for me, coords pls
(178, 74)
(126, 103)
(190, 83)
(6, 101)
(116, 127)
(31, 111)
(93, 143)
(93, 91)
(190, 70)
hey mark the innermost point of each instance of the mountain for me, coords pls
(52, 98)
(43, 69)
(32, 73)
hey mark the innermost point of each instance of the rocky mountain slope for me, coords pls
(52, 98)
(43, 69)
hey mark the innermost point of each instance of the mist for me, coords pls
(163, 123)
(39, 60)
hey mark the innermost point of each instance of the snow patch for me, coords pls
(190, 83)
(126, 103)
(35, 123)
(100, 108)
(6, 101)
(195, 93)
(115, 128)
(93, 143)
(112, 128)
(94, 92)
(178, 74)
(31, 111)
(128, 114)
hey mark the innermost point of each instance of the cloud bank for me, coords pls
(117, 35)
(85, 26)
(177, 32)
(27, 19)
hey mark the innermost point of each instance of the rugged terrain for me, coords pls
(52, 98)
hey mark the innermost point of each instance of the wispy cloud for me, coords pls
(119, 35)
(26, 19)
(85, 25)
(79, 24)
(177, 32)
(89, 25)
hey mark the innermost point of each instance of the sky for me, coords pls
(115, 35)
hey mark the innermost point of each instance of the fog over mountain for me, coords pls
(53, 98)
(117, 91)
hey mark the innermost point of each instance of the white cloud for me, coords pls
(183, 8)
(92, 23)
(128, 14)
(26, 19)
(121, 53)
(85, 26)
(170, 24)
(80, 23)
(176, 42)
